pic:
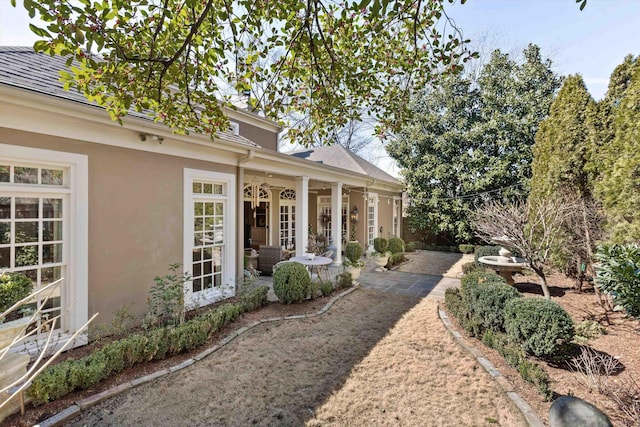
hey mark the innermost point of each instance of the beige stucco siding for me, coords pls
(264, 138)
(135, 217)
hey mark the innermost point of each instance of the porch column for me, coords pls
(240, 223)
(336, 221)
(302, 214)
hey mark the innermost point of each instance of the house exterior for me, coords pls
(108, 207)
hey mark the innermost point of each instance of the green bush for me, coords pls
(410, 247)
(481, 251)
(13, 288)
(618, 275)
(396, 245)
(487, 300)
(353, 252)
(255, 299)
(291, 283)
(380, 244)
(458, 307)
(344, 280)
(396, 259)
(478, 277)
(155, 344)
(543, 328)
(466, 248)
(534, 374)
(440, 248)
(588, 329)
(470, 267)
(326, 288)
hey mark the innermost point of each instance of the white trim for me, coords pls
(77, 277)
(227, 289)
(372, 198)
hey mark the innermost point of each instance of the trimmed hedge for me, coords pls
(410, 247)
(380, 244)
(470, 267)
(481, 251)
(291, 283)
(58, 380)
(395, 259)
(487, 302)
(466, 248)
(353, 251)
(396, 245)
(543, 327)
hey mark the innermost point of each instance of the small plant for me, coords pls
(618, 275)
(14, 287)
(292, 284)
(410, 247)
(534, 374)
(395, 259)
(543, 327)
(466, 248)
(588, 329)
(166, 298)
(380, 244)
(470, 267)
(396, 245)
(344, 280)
(326, 288)
(594, 368)
(626, 394)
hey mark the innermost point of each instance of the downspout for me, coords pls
(247, 157)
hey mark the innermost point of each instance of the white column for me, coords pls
(336, 220)
(302, 214)
(240, 221)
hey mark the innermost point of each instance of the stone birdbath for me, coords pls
(504, 264)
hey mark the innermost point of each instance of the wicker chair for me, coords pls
(268, 256)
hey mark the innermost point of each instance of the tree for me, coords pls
(529, 228)
(319, 62)
(471, 140)
(619, 184)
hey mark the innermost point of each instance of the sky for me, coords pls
(591, 42)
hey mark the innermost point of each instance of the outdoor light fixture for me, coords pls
(354, 214)
(156, 138)
(380, 230)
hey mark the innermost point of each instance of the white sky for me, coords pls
(591, 42)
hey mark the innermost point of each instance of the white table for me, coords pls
(318, 262)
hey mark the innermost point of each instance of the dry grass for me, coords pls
(373, 359)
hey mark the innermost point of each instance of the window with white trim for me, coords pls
(287, 218)
(325, 217)
(396, 217)
(43, 229)
(209, 237)
(372, 218)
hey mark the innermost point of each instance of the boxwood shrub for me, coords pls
(396, 245)
(544, 329)
(291, 283)
(353, 251)
(481, 251)
(13, 288)
(155, 344)
(466, 248)
(487, 301)
(380, 244)
(410, 247)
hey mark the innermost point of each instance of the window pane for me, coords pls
(207, 282)
(197, 239)
(206, 268)
(26, 255)
(208, 208)
(26, 232)
(198, 208)
(26, 207)
(22, 175)
(197, 254)
(198, 224)
(50, 275)
(197, 270)
(197, 285)
(52, 253)
(4, 173)
(5, 233)
(197, 187)
(219, 208)
(5, 207)
(51, 230)
(51, 176)
(52, 208)
(207, 188)
(217, 280)
(5, 257)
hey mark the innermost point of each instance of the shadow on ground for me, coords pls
(273, 375)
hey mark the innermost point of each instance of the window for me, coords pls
(209, 237)
(372, 218)
(43, 228)
(325, 218)
(396, 217)
(287, 218)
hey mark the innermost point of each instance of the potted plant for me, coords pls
(352, 263)
(381, 255)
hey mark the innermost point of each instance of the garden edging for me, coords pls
(529, 414)
(73, 410)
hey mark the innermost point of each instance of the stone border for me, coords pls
(529, 414)
(84, 404)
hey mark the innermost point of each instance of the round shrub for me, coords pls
(13, 288)
(487, 301)
(353, 251)
(410, 247)
(466, 248)
(396, 245)
(543, 328)
(291, 283)
(470, 267)
(380, 244)
(478, 277)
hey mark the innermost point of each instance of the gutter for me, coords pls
(247, 157)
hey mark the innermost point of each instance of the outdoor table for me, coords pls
(318, 262)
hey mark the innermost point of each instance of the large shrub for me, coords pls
(476, 278)
(487, 302)
(410, 247)
(291, 283)
(353, 252)
(618, 275)
(396, 245)
(543, 328)
(380, 244)
(13, 288)
(481, 251)
(466, 248)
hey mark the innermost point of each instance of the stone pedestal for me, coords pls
(12, 367)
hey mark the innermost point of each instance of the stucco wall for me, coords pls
(262, 137)
(135, 217)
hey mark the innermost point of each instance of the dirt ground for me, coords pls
(372, 359)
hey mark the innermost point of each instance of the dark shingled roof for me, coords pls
(23, 68)
(340, 157)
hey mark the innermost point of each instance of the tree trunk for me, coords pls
(540, 272)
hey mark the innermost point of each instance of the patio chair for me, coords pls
(268, 256)
(325, 268)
